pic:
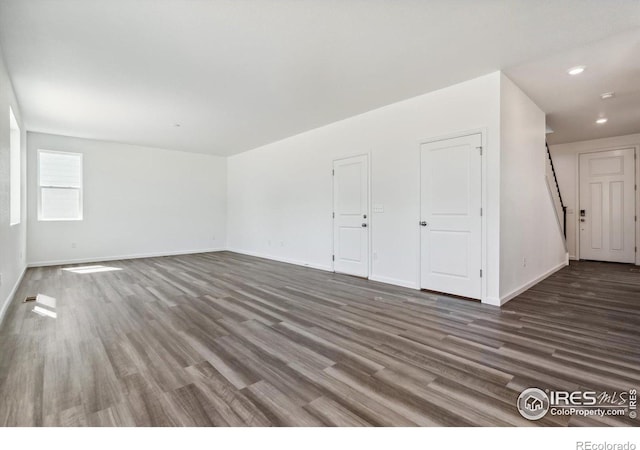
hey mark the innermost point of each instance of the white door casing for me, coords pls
(607, 206)
(351, 216)
(451, 216)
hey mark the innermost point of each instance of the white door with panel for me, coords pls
(451, 216)
(607, 206)
(351, 216)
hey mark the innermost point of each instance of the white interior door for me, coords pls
(451, 223)
(607, 206)
(351, 219)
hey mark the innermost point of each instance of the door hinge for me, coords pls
(480, 212)
(334, 215)
(333, 171)
(333, 257)
(480, 148)
(480, 273)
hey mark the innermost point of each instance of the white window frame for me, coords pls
(15, 170)
(80, 189)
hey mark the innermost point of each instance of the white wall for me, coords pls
(12, 238)
(529, 228)
(138, 201)
(565, 161)
(280, 195)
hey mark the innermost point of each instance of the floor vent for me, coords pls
(30, 299)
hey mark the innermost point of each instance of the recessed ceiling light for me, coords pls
(607, 95)
(601, 120)
(576, 70)
(177, 125)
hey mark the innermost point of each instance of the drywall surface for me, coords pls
(565, 161)
(12, 237)
(280, 195)
(138, 201)
(531, 244)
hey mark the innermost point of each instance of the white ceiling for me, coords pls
(239, 74)
(573, 103)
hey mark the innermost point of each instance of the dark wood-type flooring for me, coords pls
(221, 339)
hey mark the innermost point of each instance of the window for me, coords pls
(15, 169)
(59, 185)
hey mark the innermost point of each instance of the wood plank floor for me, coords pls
(222, 339)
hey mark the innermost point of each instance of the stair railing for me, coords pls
(555, 178)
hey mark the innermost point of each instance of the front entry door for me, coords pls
(351, 221)
(451, 223)
(607, 206)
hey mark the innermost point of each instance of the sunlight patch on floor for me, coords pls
(91, 269)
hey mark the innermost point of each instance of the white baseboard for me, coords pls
(504, 299)
(395, 282)
(280, 259)
(386, 280)
(119, 257)
(495, 301)
(12, 294)
(381, 279)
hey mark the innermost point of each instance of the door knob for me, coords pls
(423, 224)
(364, 225)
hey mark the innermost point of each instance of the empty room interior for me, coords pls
(319, 213)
